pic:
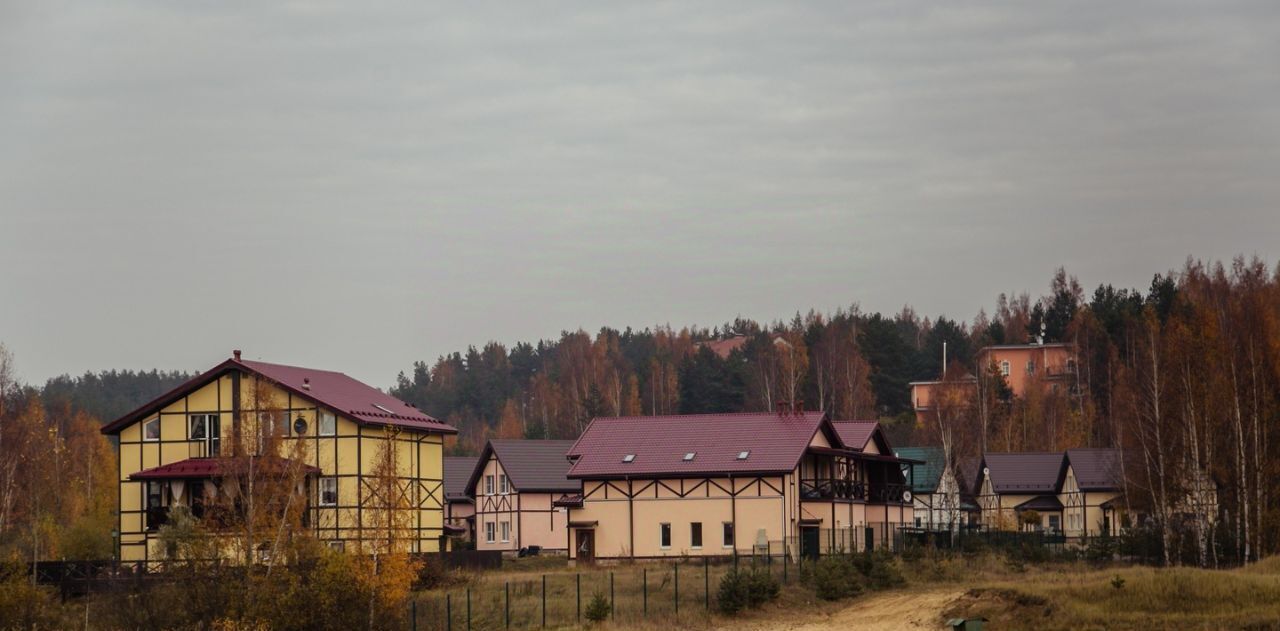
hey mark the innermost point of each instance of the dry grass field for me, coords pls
(1011, 596)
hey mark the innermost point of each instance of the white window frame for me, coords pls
(332, 424)
(1031, 367)
(695, 545)
(336, 544)
(504, 531)
(488, 484)
(324, 482)
(503, 486)
(155, 420)
(1005, 368)
(664, 528)
(204, 426)
(490, 531)
(729, 535)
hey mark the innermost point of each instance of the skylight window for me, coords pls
(629, 458)
(689, 456)
(383, 409)
(742, 455)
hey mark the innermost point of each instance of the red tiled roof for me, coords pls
(210, 468)
(359, 401)
(775, 442)
(1025, 473)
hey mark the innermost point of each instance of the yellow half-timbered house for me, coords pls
(174, 450)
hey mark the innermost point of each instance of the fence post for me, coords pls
(785, 559)
(706, 580)
(675, 567)
(644, 589)
(577, 578)
(468, 609)
(448, 612)
(506, 616)
(612, 606)
(544, 600)
(413, 611)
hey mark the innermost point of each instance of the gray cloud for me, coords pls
(358, 186)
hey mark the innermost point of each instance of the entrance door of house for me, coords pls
(586, 544)
(809, 538)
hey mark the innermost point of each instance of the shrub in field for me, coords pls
(598, 609)
(743, 589)
(836, 577)
(1100, 549)
(880, 569)
(761, 588)
(731, 597)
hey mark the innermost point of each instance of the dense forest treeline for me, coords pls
(854, 364)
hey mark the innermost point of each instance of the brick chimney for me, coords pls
(236, 354)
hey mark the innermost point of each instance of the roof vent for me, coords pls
(742, 455)
(629, 458)
(236, 354)
(689, 456)
(306, 384)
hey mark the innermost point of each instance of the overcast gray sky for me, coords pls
(356, 185)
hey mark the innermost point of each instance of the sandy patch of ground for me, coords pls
(890, 611)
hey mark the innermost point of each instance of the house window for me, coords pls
(1071, 365)
(328, 491)
(489, 528)
(728, 534)
(155, 494)
(1031, 367)
(695, 535)
(506, 531)
(488, 484)
(328, 424)
(502, 483)
(151, 429)
(1004, 368)
(336, 545)
(664, 535)
(1055, 523)
(197, 427)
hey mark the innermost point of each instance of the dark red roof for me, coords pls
(530, 465)
(856, 434)
(776, 441)
(1097, 469)
(211, 468)
(1026, 472)
(356, 400)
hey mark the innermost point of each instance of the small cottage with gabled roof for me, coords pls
(720, 484)
(177, 449)
(935, 490)
(515, 484)
(1073, 492)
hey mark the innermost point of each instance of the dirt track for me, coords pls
(880, 612)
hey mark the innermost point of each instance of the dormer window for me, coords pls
(629, 458)
(689, 456)
(742, 455)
